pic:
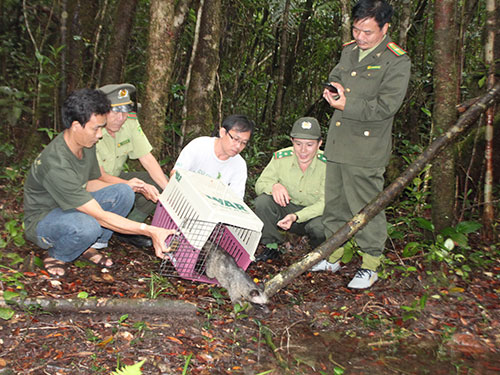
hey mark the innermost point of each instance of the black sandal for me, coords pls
(92, 253)
(51, 264)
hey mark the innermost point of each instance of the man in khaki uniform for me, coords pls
(371, 79)
(123, 138)
(291, 189)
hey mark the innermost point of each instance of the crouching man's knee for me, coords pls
(316, 232)
(263, 203)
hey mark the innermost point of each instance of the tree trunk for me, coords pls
(116, 53)
(158, 306)
(159, 67)
(488, 212)
(404, 24)
(82, 16)
(64, 52)
(346, 20)
(359, 221)
(444, 112)
(278, 104)
(198, 113)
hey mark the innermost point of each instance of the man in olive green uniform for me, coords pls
(291, 189)
(122, 139)
(371, 79)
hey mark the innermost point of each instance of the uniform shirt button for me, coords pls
(366, 133)
(353, 74)
(348, 89)
(337, 123)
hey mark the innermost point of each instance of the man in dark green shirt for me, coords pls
(371, 80)
(68, 209)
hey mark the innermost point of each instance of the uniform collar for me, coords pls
(375, 53)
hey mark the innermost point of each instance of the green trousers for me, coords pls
(347, 190)
(142, 207)
(270, 213)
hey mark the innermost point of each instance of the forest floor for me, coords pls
(412, 321)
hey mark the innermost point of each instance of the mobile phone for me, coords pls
(330, 87)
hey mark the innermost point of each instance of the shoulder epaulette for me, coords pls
(282, 154)
(132, 115)
(321, 157)
(348, 43)
(394, 48)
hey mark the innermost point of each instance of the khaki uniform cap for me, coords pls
(119, 95)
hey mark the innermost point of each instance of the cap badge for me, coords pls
(306, 125)
(123, 93)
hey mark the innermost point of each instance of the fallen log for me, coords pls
(360, 220)
(159, 306)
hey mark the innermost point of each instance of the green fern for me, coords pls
(134, 369)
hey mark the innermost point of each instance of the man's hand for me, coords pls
(150, 192)
(280, 195)
(136, 184)
(287, 221)
(336, 100)
(159, 236)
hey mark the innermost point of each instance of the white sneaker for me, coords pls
(363, 279)
(324, 265)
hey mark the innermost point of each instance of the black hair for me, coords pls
(380, 10)
(240, 123)
(81, 104)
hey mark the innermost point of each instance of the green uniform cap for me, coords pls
(306, 128)
(119, 95)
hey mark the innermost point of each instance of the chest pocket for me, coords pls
(123, 147)
(369, 79)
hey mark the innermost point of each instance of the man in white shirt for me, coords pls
(219, 157)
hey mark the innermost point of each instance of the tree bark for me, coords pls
(278, 104)
(64, 52)
(160, 54)
(346, 20)
(488, 212)
(158, 306)
(359, 221)
(444, 112)
(116, 53)
(404, 25)
(198, 111)
(82, 16)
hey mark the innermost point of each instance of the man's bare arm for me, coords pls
(120, 224)
(152, 166)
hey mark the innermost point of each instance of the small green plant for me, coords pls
(413, 311)
(452, 246)
(134, 369)
(91, 336)
(239, 311)
(158, 285)
(186, 363)
(12, 279)
(13, 232)
(216, 293)
(12, 104)
(141, 326)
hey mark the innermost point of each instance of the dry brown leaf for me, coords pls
(174, 339)
(108, 278)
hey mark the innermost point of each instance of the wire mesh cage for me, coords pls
(206, 214)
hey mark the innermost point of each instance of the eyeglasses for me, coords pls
(237, 140)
